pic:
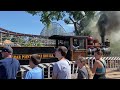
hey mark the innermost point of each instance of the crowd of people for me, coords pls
(9, 66)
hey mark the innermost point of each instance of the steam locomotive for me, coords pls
(77, 45)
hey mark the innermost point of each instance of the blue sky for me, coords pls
(22, 22)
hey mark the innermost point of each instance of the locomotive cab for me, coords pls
(77, 45)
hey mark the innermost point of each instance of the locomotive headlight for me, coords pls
(106, 50)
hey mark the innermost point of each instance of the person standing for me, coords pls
(99, 67)
(36, 72)
(9, 66)
(62, 68)
(84, 71)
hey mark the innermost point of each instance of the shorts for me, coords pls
(102, 76)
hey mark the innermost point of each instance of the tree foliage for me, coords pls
(79, 19)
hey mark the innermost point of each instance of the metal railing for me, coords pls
(113, 63)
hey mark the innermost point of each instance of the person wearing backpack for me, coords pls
(9, 66)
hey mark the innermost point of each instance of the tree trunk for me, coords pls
(75, 27)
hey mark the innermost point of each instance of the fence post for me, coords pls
(88, 62)
(92, 62)
(43, 72)
(115, 64)
(107, 63)
(119, 65)
(48, 68)
(110, 64)
(73, 68)
(48, 71)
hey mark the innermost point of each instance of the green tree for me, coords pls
(4, 38)
(14, 39)
(39, 44)
(79, 19)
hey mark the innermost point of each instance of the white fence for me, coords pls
(113, 63)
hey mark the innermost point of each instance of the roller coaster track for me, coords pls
(8, 32)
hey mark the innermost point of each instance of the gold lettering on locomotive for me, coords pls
(45, 56)
(51, 55)
(27, 57)
(17, 56)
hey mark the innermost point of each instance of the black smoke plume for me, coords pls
(109, 21)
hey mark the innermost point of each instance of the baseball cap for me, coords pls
(7, 49)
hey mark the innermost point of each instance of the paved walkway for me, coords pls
(111, 74)
(115, 74)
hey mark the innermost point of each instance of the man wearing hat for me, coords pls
(8, 66)
(36, 72)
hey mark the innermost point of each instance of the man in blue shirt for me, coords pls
(36, 72)
(8, 66)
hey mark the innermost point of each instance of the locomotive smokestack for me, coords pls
(102, 26)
